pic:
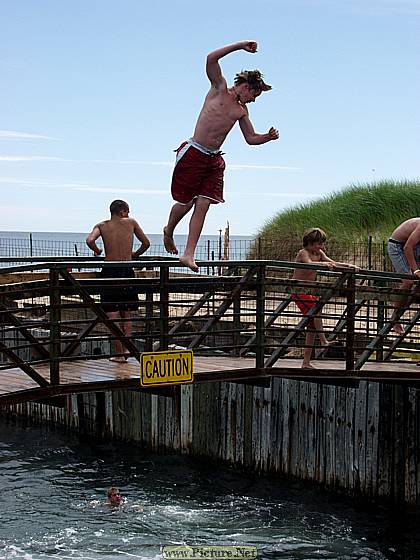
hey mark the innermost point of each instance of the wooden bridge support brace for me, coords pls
(205, 298)
(164, 308)
(259, 318)
(377, 341)
(74, 344)
(55, 331)
(226, 303)
(27, 335)
(285, 343)
(270, 320)
(100, 313)
(29, 370)
(351, 285)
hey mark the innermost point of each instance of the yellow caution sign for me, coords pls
(166, 368)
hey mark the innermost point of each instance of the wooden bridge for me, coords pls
(238, 317)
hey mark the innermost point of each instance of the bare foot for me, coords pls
(118, 359)
(190, 262)
(398, 328)
(169, 243)
(308, 366)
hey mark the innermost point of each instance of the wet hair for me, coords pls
(253, 78)
(111, 491)
(118, 206)
(314, 235)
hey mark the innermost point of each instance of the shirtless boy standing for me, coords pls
(197, 179)
(117, 235)
(312, 253)
(404, 252)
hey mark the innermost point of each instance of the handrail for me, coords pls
(41, 263)
(248, 312)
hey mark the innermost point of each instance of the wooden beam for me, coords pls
(27, 335)
(285, 343)
(24, 366)
(100, 313)
(223, 307)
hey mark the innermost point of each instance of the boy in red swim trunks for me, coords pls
(312, 253)
(197, 179)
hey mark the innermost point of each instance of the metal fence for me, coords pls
(367, 254)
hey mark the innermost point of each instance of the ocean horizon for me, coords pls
(56, 243)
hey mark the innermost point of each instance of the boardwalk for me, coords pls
(84, 376)
(54, 332)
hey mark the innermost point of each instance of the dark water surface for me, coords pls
(52, 492)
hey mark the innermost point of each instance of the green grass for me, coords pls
(351, 214)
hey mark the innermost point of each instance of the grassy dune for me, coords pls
(351, 214)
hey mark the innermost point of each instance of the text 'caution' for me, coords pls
(166, 368)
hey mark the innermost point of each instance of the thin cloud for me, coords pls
(121, 190)
(24, 135)
(85, 187)
(231, 166)
(372, 7)
(126, 161)
(15, 159)
(239, 167)
(278, 194)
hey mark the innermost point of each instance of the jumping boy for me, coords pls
(197, 179)
(313, 253)
(117, 235)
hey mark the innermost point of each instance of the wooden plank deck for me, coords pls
(93, 375)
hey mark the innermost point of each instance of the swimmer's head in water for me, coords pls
(118, 206)
(314, 235)
(114, 496)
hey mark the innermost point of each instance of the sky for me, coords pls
(96, 94)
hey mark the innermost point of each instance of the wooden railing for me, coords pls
(50, 312)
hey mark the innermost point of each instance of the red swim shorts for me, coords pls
(306, 302)
(197, 174)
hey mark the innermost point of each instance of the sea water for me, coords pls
(25, 244)
(53, 491)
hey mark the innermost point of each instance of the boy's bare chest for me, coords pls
(226, 108)
(315, 257)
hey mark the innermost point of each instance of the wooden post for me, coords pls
(55, 319)
(236, 324)
(351, 284)
(148, 321)
(164, 308)
(260, 318)
(380, 324)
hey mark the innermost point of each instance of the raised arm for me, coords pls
(253, 137)
(144, 240)
(91, 240)
(214, 72)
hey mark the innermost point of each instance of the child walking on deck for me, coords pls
(313, 253)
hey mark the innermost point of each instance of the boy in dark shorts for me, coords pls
(197, 179)
(117, 235)
(312, 253)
